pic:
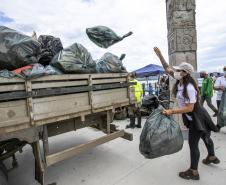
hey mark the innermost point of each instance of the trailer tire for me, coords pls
(3, 174)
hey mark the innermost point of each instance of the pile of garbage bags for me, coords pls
(46, 55)
(160, 136)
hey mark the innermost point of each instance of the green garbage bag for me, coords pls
(110, 63)
(104, 37)
(160, 136)
(16, 49)
(74, 59)
(221, 117)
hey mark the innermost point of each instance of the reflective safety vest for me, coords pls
(137, 90)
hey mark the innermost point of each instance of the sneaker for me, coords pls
(189, 174)
(211, 159)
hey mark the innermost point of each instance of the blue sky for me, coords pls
(68, 20)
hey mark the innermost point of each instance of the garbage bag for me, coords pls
(104, 36)
(110, 63)
(74, 59)
(50, 46)
(160, 136)
(36, 70)
(150, 102)
(16, 49)
(50, 70)
(221, 117)
(6, 74)
(19, 70)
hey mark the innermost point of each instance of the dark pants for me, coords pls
(209, 103)
(134, 112)
(193, 140)
(218, 104)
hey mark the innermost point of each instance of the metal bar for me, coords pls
(68, 153)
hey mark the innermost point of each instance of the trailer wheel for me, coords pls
(3, 174)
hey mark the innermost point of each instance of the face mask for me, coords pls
(177, 76)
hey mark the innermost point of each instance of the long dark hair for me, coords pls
(186, 80)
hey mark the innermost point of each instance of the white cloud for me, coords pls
(68, 20)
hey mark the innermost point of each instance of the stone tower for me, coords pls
(182, 40)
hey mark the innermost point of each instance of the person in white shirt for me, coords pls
(195, 117)
(220, 86)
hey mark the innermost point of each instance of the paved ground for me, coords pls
(119, 163)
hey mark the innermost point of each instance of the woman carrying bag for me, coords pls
(195, 117)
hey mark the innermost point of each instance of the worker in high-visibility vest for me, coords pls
(134, 111)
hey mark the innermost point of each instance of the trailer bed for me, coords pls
(48, 99)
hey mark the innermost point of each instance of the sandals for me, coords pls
(189, 174)
(211, 159)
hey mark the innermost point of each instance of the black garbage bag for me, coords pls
(104, 36)
(74, 59)
(221, 117)
(50, 46)
(150, 102)
(16, 49)
(164, 96)
(110, 63)
(160, 136)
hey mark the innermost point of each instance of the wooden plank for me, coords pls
(68, 153)
(9, 129)
(9, 104)
(12, 111)
(60, 113)
(38, 93)
(61, 105)
(30, 107)
(10, 80)
(7, 88)
(15, 122)
(61, 118)
(109, 75)
(61, 77)
(104, 81)
(109, 97)
(15, 95)
(58, 84)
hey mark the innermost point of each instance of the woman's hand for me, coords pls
(157, 51)
(168, 112)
